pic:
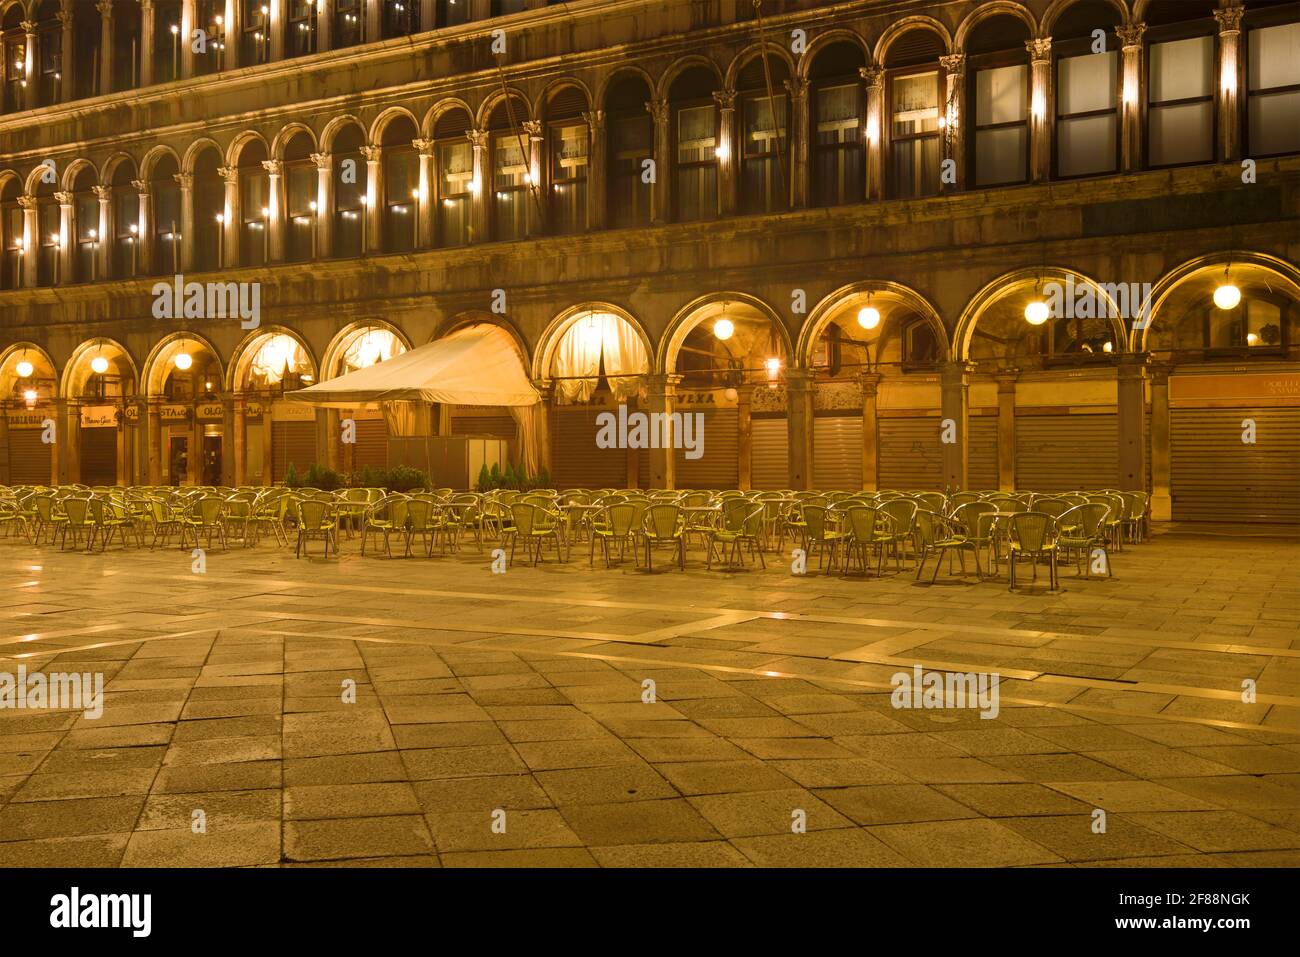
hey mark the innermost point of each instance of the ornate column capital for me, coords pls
(1229, 19)
(184, 180)
(105, 8)
(29, 26)
(272, 167)
(595, 119)
(103, 193)
(64, 197)
(658, 108)
(872, 76)
(1130, 35)
(65, 18)
(954, 63)
(372, 153)
(230, 174)
(423, 146)
(1040, 49)
(797, 87)
(477, 138)
(321, 160)
(141, 186)
(726, 99)
(27, 202)
(533, 128)
(870, 382)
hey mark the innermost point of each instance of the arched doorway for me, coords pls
(186, 429)
(99, 385)
(359, 346)
(29, 385)
(275, 433)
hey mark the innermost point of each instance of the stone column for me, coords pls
(955, 406)
(870, 430)
(153, 426)
(1230, 74)
(186, 183)
(67, 238)
(728, 161)
(333, 440)
(148, 24)
(275, 209)
(799, 412)
(372, 21)
(276, 27)
(122, 477)
(1007, 429)
(537, 199)
(479, 187)
(545, 452)
(105, 8)
(425, 199)
(68, 444)
(1132, 424)
(188, 26)
(1132, 89)
(31, 67)
(745, 437)
(954, 119)
(374, 170)
(661, 187)
(240, 440)
(874, 78)
(104, 232)
(1161, 497)
(324, 25)
(31, 241)
(327, 444)
(799, 145)
(69, 69)
(230, 33)
(227, 435)
(324, 212)
(5, 478)
(143, 231)
(230, 217)
(660, 390)
(1040, 109)
(596, 169)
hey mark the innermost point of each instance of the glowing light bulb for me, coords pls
(25, 369)
(1036, 312)
(99, 365)
(868, 317)
(773, 366)
(723, 329)
(1227, 296)
(183, 360)
(29, 397)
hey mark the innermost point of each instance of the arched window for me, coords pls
(14, 38)
(1257, 325)
(254, 206)
(836, 97)
(997, 78)
(300, 40)
(210, 17)
(913, 93)
(695, 142)
(48, 236)
(1272, 82)
(299, 200)
(125, 223)
(349, 23)
(349, 191)
(1087, 91)
(167, 40)
(763, 150)
(510, 170)
(85, 226)
(165, 212)
(629, 142)
(49, 41)
(568, 141)
(209, 210)
(255, 38)
(1180, 82)
(401, 18)
(454, 158)
(11, 235)
(126, 44)
(401, 186)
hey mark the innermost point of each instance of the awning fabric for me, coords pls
(478, 365)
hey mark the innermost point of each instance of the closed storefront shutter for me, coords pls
(718, 467)
(492, 421)
(982, 455)
(99, 456)
(837, 453)
(770, 453)
(292, 443)
(576, 461)
(1215, 476)
(372, 444)
(29, 458)
(1062, 453)
(911, 456)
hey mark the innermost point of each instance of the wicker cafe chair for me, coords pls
(108, 517)
(902, 512)
(76, 512)
(1081, 530)
(384, 517)
(13, 515)
(49, 515)
(535, 524)
(1135, 515)
(614, 523)
(164, 520)
(975, 520)
(740, 524)
(1032, 538)
(868, 527)
(427, 520)
(663, 524)
(938, 535)
(316, 519)
(204, 514)
(818, 533)
(237, 516)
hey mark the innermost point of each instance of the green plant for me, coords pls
(291, 478)
(484, 482)
(403, 478)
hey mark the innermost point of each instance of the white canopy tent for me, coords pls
(477, 365)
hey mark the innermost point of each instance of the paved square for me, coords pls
(282, 712)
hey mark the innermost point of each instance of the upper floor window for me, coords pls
(568, 172)
(210, 18)
(401, 193)
(1000, 146)
(301, 37)
(1087, 112)
(209, 211)
(1180, 101)
(763, 153)
(167, 39)
(124, 217)
(453, 12)
(401, 17)
(349, 27)
(11, 237)
(15, 64)
(1257, 325)
(837, 143)
(509, 184)
(299, 200)
(49, 43)
(455, 158)
(255, 44)
(1273, 89)
(914, 133)
(629, 143)
(350, 174)
(126, 45)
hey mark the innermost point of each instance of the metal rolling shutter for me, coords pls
(499, 426)
(292, 443)
(911, 456)
(29, 458)
(1217, 477)
(576, 461)
(982, 453)
(99, 456)
(770, 453)
(372, 444)
(718, 466)
(1060, 453)
(837, 453)
(642, 469)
